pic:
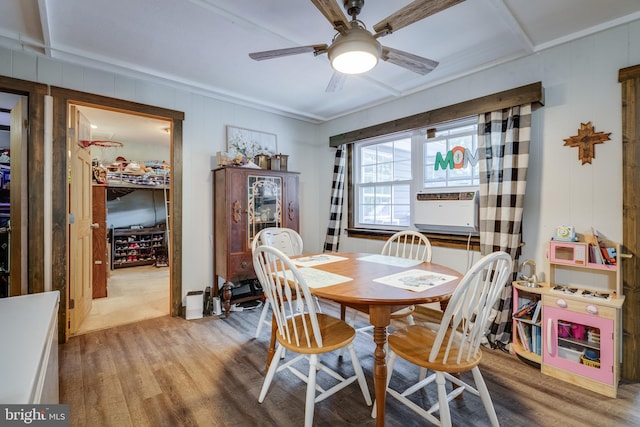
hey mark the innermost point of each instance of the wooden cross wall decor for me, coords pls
(585, 140)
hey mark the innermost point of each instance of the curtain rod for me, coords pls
(532, 93)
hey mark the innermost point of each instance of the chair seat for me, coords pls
(403, 312)
(403, 343)
(335, 333)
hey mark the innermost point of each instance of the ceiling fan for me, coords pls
(354, 49)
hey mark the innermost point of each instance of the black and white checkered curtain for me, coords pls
(503, 147)
(332, 240)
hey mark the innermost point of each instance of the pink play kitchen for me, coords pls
(575, 332)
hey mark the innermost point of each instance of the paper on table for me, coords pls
(390, 260)
(415, 280)
(318, 278)
(313, 260)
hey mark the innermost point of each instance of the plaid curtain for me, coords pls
(503, 147)
(332, 240)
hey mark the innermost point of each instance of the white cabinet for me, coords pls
(29, 356)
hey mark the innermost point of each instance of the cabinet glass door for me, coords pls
(264, 207)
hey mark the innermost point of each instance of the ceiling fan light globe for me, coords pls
(355, 52)
(354, 62)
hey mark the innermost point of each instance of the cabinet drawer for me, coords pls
(240, 266)
(586, 307)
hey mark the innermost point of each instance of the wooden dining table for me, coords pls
(365, 293)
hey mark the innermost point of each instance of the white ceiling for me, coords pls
(203, 45)
(127, 128)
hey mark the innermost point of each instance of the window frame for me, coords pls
(530, 93)
(475, 173)
(416, 183)
(357, 168)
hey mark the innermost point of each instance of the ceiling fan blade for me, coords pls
(413, 12)
(411, 62)
(331, 10)
(337, 82)
(317, 49)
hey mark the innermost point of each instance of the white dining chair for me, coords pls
(453, 347)
(303, 331)
(285, 239)
(290, 243)
(407, 244)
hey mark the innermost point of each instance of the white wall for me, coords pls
(580, 79)
(581, 84)
(203, 135)
(140, 207)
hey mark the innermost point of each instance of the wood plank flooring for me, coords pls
(208, 372)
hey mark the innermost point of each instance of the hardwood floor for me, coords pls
(208, 372)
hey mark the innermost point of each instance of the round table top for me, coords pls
(363, 289)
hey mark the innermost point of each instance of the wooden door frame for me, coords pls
(630, 82)
(35, 93)
(61, 99)
(18, 198)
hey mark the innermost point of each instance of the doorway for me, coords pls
(61, 99)
(13, 200)
(130, 189)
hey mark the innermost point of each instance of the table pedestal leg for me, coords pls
(380, 371)
(380, 317)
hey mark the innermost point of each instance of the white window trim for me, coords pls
(358, 186)
(417, 168)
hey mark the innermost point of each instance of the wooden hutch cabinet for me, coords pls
(245, 201)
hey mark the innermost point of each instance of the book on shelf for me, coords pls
(536, 334)
(595, 256)
(539, 341)
(530, 310)
(535, 318)
(609, 255)
(601, 254)
(524, 338)
(534, 340)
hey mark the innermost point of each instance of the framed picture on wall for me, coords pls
(250, 143)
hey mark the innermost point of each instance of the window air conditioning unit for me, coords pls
(450, 213)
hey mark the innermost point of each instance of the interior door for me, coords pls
(18, 283)
(80, 208)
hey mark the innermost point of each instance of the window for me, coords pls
(383, 178)
(451, 155)
(388, 171)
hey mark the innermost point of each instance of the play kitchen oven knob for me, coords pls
(562, 303)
